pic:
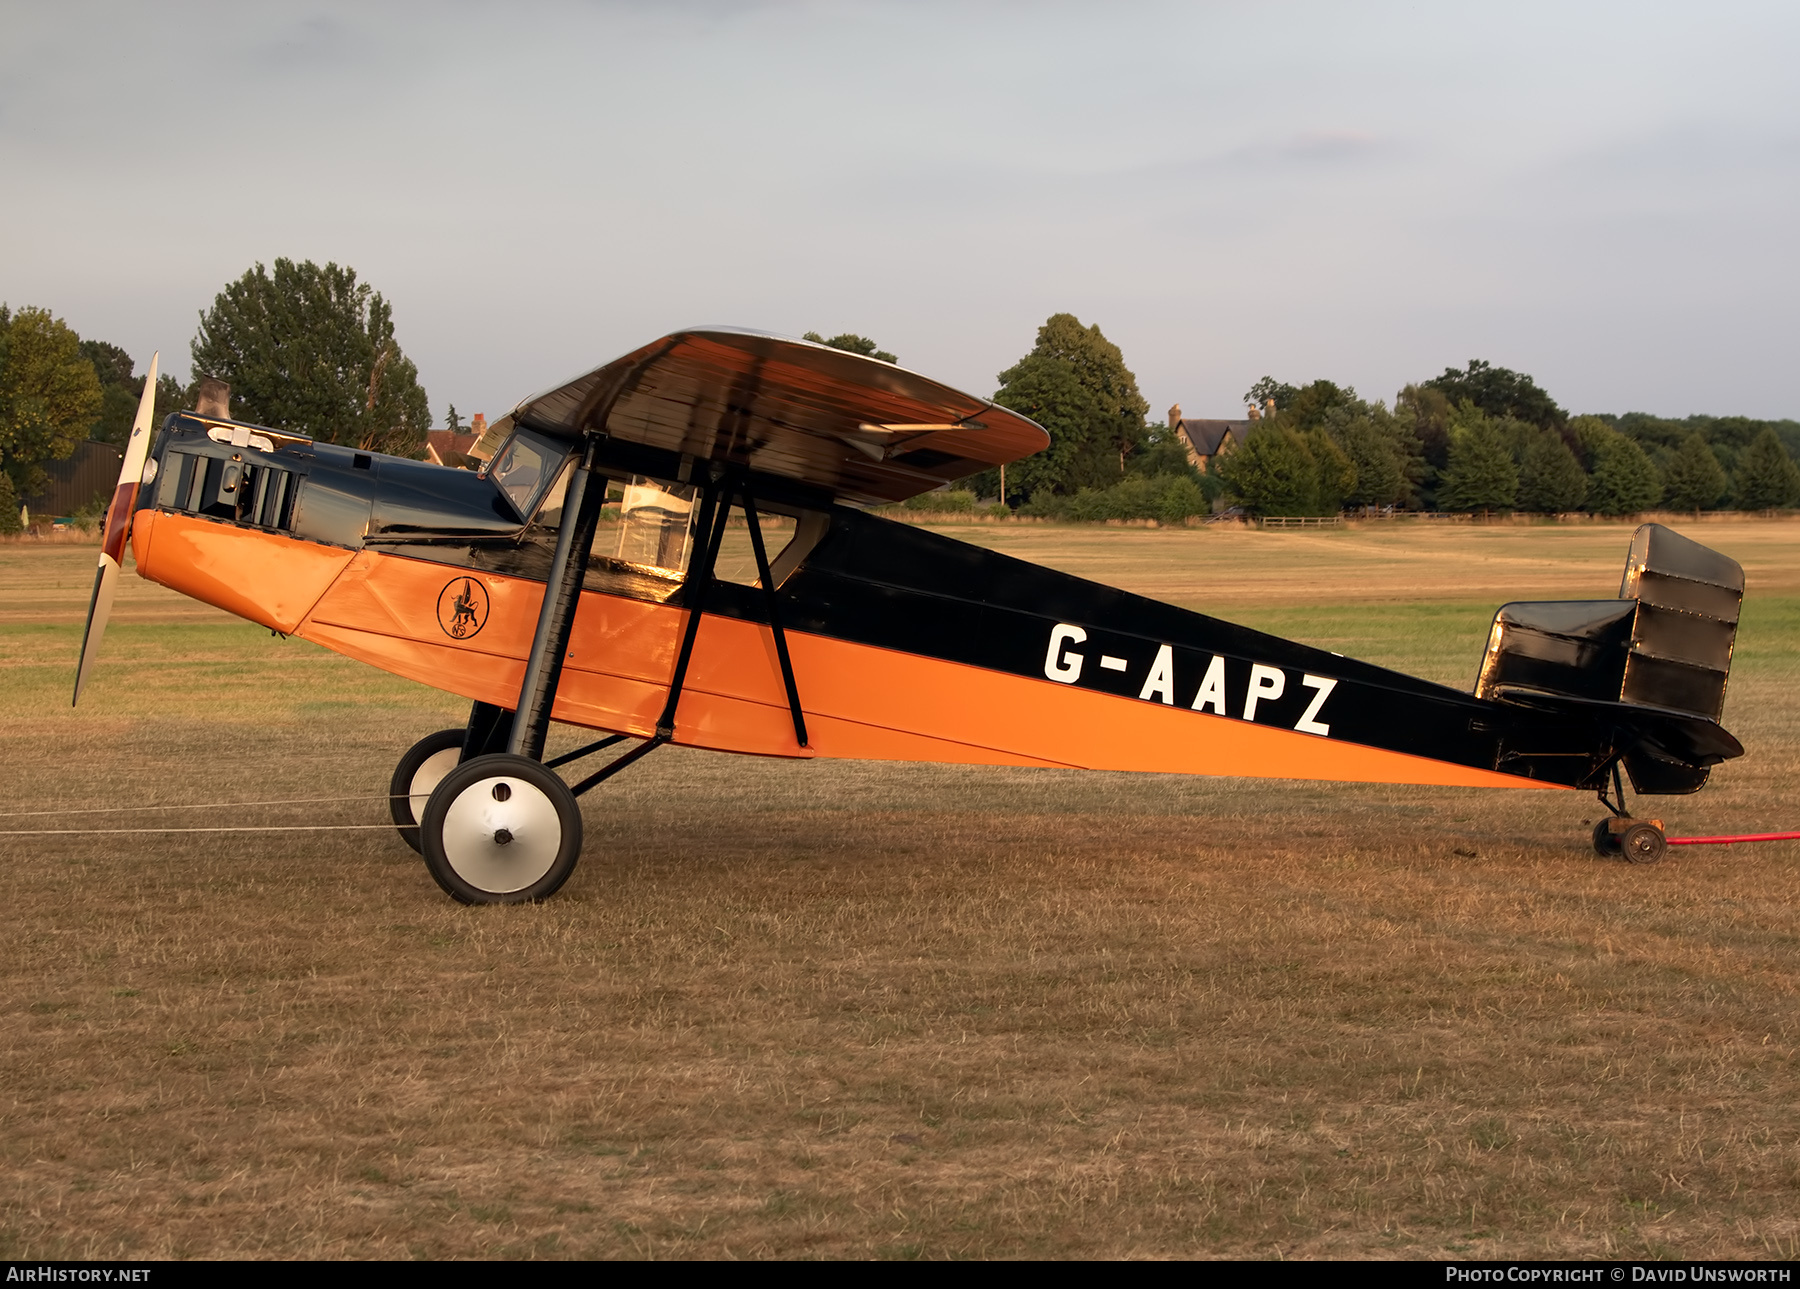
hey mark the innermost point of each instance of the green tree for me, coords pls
(1694, 479)
(112, 365)
(1364, 455)
(1586, 435)
(49, 394)
(1500, 392)
(852, 343)
(1259, 394)
(1182, 498)
(1273, 473)
(118, 405)
(1766, 475)
(9, 506)
(120, 391)
(1161, 453)
(1725, 435)
(312, 350)
(1551, 480)
(1381, 477)
(1075, 384)
(1425, 415)
(1624, 480)
(1321, 403)
(1048, 391)
(1334, 473)
(452, 421)
(1480, 474)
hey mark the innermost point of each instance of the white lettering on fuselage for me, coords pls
(1309, 722)
(1161, 680)
(1212, 689)
(1060, 663)
(1267, 683)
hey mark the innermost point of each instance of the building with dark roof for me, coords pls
(1207, 440)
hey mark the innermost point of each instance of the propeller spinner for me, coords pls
(118, 527)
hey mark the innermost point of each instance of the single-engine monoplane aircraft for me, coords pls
(592, 572)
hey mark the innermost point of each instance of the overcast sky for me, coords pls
(1605, 196)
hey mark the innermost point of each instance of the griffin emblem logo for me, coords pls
(462, 608)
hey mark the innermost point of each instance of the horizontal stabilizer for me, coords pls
(1689, 739)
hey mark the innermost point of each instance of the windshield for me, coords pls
(525, 466)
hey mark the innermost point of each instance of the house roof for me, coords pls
(448, 447)
(1206, 437)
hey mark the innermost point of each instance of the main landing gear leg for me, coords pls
(426, 763)
(502, 827)
(1638, 841)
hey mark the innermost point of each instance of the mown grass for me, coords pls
(857, 1009)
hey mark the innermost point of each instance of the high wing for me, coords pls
(867, 431)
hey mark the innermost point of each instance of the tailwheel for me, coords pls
(501, 829)
(1643, 843)
(420, 770)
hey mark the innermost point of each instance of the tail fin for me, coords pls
(1651, 665)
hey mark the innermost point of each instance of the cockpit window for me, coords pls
(550, 509)
(655, 526)
(525, 467)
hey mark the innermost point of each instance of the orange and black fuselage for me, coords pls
(906, 645)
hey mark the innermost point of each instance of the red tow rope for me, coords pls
(1731, 841)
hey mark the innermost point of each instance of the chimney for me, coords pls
(214, 399)
(478, 426)
(1175, 416)
(1269, 407)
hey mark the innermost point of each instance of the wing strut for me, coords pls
(530, 723)
(556, 620)
(715, 508)
(774, 602)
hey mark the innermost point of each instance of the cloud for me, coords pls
(1684, 150)
(1316, 147)
(307, 45)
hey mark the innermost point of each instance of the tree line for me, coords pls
(312, 349)
(1481, 438)
(1487, 439)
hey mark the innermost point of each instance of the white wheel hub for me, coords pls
(430, 773)
(500, 834)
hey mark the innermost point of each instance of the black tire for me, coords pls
(1643, 844)
(501, 829)
(1606, 841)
(415, 777)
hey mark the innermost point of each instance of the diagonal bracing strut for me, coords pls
(774, 602)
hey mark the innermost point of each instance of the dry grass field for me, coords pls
(854, 1010)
